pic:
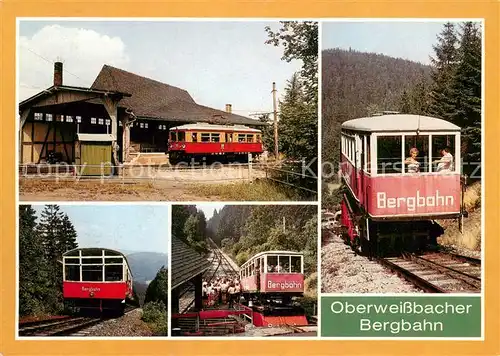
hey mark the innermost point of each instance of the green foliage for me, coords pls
(155, 314)
(247, 230)
(267, 132)
(456, 93)
(180, 213)
(157, 290)
(40, 252)
(298, 110)
(357, 84)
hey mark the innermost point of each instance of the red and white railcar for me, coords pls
(269, 282)
(193, 141)
(96, 278)
(400, 172)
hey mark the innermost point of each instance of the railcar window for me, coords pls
(112, 253)
(258, 138)
(249, 138)
(205, 137)
(421, 156)
(72, 272)
(283, 264)
(181, 136)
(389, 158)
(241, 138)
(194, 137)
(368, 155)
(114, 260)
(272, 262)
(73, 253)
(262, 265)
(72, 260)
(295, 261)
(443, 153)
(215, 137)
(113, 273)
(92, 273)
(91, 261)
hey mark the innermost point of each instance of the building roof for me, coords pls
(399, 122)
(186, 263)
(207, 126)
(95, 137)
(156, 100)
(68, 88)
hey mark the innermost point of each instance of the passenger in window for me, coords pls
(411, 162)
(270, 268)
(444, 164)
(193, 137)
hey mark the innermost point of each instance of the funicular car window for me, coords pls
(368, 155)
(205, 137)
(258, 138)
(215, 137)
(194, 137)
(89, 261)
(249, 137)
(283, 264)
(92, 273)
(262, 265)
(113, 273)
(443, 153)
(181, 136)
(114, 260)
(389, 158)
(72, 272)
(272, 262)
(173, 136)
(241, 137)
(416, 153)
(295, 264)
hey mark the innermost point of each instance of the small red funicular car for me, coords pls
(400, 173)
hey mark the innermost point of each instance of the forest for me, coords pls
(357, 84)
(43, 239)
(243, 231)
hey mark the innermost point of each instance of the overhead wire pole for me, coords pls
(275, 112)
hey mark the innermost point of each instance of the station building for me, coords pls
(122, 114)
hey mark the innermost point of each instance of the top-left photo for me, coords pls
(125, 110)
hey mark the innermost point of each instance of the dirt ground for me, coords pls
(159, 190)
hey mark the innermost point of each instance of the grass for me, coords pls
(255, 191)
(471, 236)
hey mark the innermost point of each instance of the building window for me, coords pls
(93, 120)
(101, 121)
(69, 118)
(120, 123)
(38, 116)
(146, 125)
(108, 122)
(48, 117)
(79, 119)
(142, 125)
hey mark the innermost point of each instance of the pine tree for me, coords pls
(157, 290)
(50, 231)
(405, 106)
(466, 94)
(444, 67)
(31, 264)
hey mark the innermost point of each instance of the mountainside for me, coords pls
(357, 84)
(145, 265)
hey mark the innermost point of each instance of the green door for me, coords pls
(93, 155)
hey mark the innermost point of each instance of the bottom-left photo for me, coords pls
(93, 270)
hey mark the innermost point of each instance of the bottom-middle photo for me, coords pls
(244, 270)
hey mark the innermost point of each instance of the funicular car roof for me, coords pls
(399, 123)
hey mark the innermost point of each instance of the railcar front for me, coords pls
(96, 279)
(400, 173)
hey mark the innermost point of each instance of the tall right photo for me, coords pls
(401, 156)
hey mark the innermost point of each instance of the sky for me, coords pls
(208, 209)
(218, 63)
(407, 40)
(126, 228)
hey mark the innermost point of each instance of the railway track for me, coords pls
(64, 326)
(438, 272)
(220, 267)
